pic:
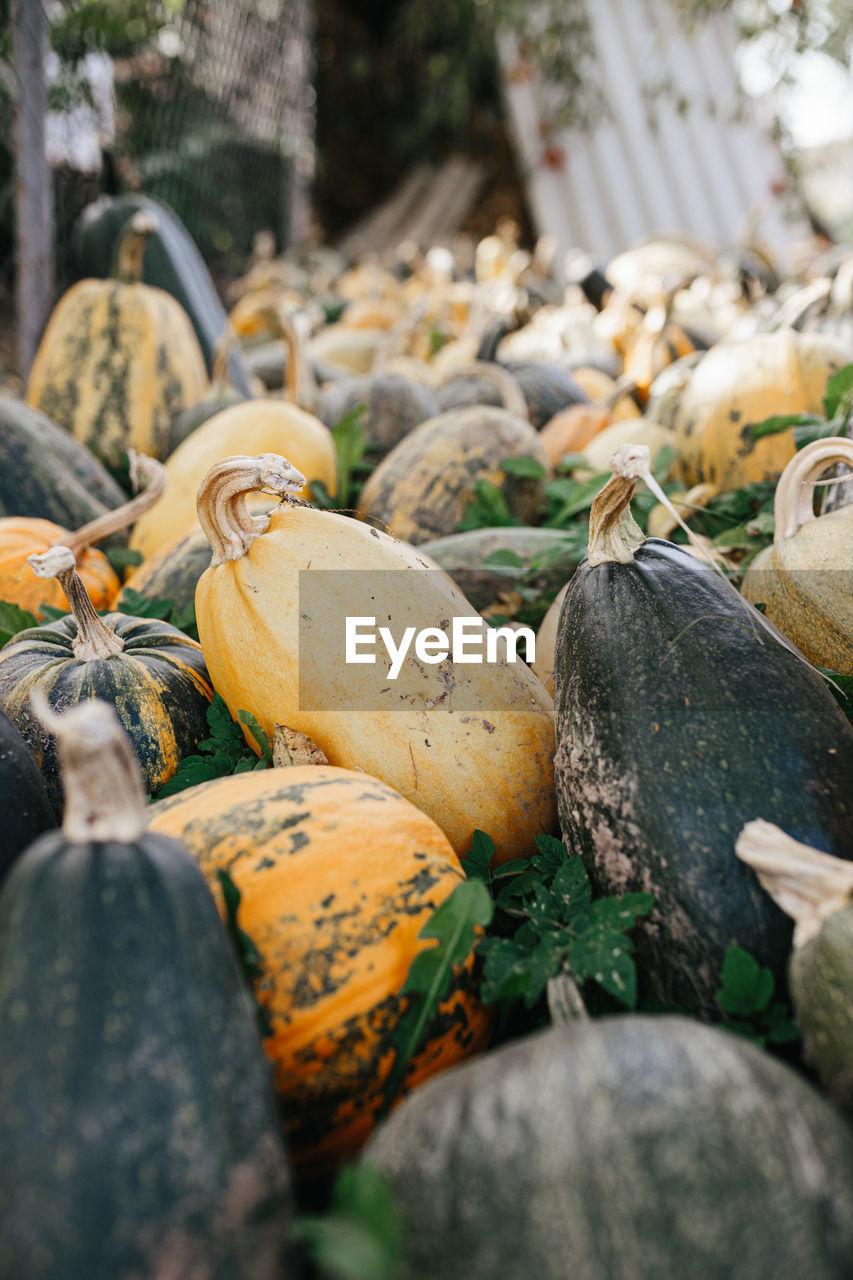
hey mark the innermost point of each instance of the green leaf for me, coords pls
(747, 988)
(223, 752)
(50, 613)
(348, 437)
(454, 927)
(359, 1237)
(14, 619)
(503, 558)
(839, 392)
(602, 954)
(260, 736)
(139, 606)
(809, 432)
(569, 497)
(525, 468)
(248, 956)
(841, 688)
(782, 422)
(571, 889)
(476, 863)
(320, 496)
(121, 558)
(487, 510)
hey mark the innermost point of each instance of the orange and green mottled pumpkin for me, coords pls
(119, 359)
(338, 874)
(21, 537)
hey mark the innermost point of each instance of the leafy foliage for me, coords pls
(353, 466)
(358, 1238)
(224, 752)
(746, 999)
(842, 687)
(122, 558)
(487, 509)
(14, 619)
(139, 606)
(248, 956)
(454, 926)
(549, 922)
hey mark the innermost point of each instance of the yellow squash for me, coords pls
(119, 359)
(805, 579)
(471, 745)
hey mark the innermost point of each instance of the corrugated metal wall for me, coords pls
(681, 149)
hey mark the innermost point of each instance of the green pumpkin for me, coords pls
(139, 1135)
(152, 674)
(621, 1148)
(27, 811)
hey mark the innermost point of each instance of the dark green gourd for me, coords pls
(682, 714)
(24, 804)
(816, 890)
(623, 1148)
(139, 1136)
(150, 672)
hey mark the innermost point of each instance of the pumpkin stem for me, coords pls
(614, 534)
(94, 638)
(104, 793)
(793, 505)
(224, 345)
(565, 1002)
(511, 392)
(146, 473)
(130, 251)
(228, 524)
(808, 885)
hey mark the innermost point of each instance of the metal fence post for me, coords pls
(33, 179)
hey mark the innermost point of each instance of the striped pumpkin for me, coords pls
(151, 673)
(119, 359)
(338, 873)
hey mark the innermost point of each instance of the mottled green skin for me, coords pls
(24, 804)
(821, 976)
(679, 719)
(393, 406)
(462, 555)
(625, 1148)
(158, 685)
(172, 262)
(173, 576)
(138, 1127)
(46, 473)
(188, 420)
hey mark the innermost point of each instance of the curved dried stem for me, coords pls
(94, 638)
(146, 474)
(130, 251)
(228, 524)
(793, 505)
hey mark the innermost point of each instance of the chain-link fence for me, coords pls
(205, 104)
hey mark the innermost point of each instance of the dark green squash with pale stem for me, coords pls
(139, 1135)
(816, 890)
(681, 714)
(151, 673)
(624, 1148)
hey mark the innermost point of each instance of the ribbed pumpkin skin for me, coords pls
(466, 771)
(116, 364)
(740, 383)
(27, 811)
(338, 874)
(547, 388)
(422, 489)
(21, 537)
(172, 572)
(46, 474)
(679, 719)
(624, 1148)
(158, 686)
(138, 1129)
(256, 426)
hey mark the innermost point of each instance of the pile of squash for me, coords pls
(206, 949)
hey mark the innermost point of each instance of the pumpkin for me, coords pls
(337, 875)
(737, 384)
(481, 382)
(656, 343)
(172, 262)
(351, 350)
(422, 489)
(255, 425)
(681, 712)
(221, 394)
(546, 641)
(21, 537)
(172, 572)
(620, 1147)
(547, 388)
(816, 890)
(138, 1127)
(805, 579)
(546, 558)
(393, 406)
(571, 430)
(599, 385)
(29, 812)
(469, 744)
(46, 474)
(141, 335)
(149, 671)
